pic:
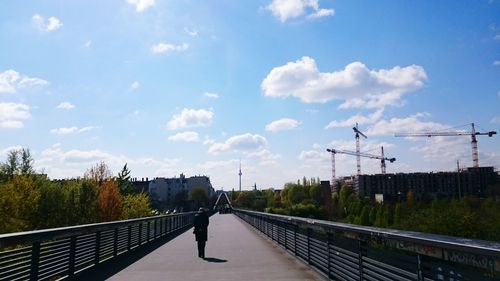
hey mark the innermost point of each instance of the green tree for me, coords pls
(123, 179)
(315, 193)
(345, 193)
(199, 195)
(52, 211)
(135, 206)
(397, 214)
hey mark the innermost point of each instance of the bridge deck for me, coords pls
(234, 251)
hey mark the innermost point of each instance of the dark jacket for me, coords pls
(200, 226)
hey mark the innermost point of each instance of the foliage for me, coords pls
(199, 195)
(123, 181)
(98, 174)
(135, 206)
(109, 201)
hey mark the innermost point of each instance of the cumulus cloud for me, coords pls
(135, 85)
(11, 81)
(87, 44)
(357, 85)
(243, 143)
(189, 118)
(496, 63)
(49, 25)
(65, 105)
(162, 47)
(71, 130)
(282, 125)
(13, 114)
(185, 136)
(358, 118)
(141, 5)
(211, 95)
(497, 37)
(409, 124)
(289, 9)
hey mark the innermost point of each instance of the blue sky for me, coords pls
(192, 87)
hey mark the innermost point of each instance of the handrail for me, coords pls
(350, 252)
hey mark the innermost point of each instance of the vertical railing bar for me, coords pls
(72, 252)
(97, 247)
(115, 243)
(139, 241)
(35, 259)
(129, 237)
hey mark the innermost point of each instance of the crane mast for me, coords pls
(472, 133)
(356, 135)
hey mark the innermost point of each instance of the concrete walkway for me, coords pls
(234, 252)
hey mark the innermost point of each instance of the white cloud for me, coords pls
(313, 155)
(282, 125)
(358, 118)
(188, 136)
(87, 44)
(244, 143)
(495, 120)
(166, 47)
(191, 32)
(497, 37)
(13, 114)
(322, 13)
(409, 124)
(496, 63)
(11, 81)
(208, 141)
(191, 118)
(141, 5)
(71, 130)
(65, 105)
(211, 95)
(135, 85)
(51, 24)
(356, 84)
(288, 9)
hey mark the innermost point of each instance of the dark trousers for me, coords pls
(201, 249)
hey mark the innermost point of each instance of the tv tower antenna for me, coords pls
(239, 174)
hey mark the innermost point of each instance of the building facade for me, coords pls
(425, 186)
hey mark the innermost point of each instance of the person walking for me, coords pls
(200, 231)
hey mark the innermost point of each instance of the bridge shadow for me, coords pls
(108, 268)
(215, 260)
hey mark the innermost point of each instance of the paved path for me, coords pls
(234, 252)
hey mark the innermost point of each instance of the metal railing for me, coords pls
(63, 252)
(348, 252)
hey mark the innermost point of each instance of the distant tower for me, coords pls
(240, 175)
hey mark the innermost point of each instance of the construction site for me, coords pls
(475, 181)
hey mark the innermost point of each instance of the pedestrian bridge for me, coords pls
(246, 246)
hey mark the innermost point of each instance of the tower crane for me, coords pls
(472, 133)
(358, 160)
(382, 158)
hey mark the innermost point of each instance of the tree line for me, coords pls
(30, 200)
(470, 217)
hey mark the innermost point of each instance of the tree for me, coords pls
(124, 184)
(19, 162)
(109, 201)
(99, 173)
(315, 193)
(26, 165)
(345, 192)
(135, 206)
(199, 195)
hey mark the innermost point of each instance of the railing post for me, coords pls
(35, 258)
(420, 274)
(360, 259)
(97, 247)
(148, 230)
(329, 237)
(295, 239)
(129, 237)
(72, 253)
(308, 245)
(285, 226)
(139, 242)
(115, 243)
